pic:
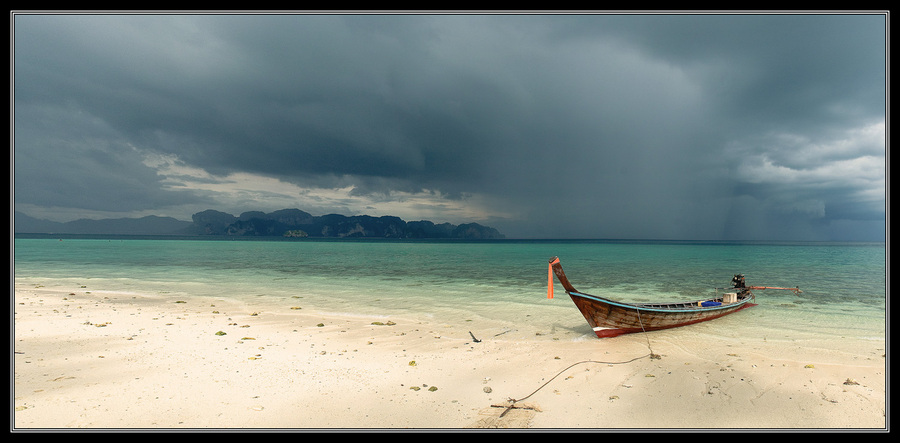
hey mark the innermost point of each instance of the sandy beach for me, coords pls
(102, 360)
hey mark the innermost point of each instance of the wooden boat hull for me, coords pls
(609, 318)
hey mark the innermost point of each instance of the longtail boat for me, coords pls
(610, 318)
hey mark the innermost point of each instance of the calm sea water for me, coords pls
(495, 287)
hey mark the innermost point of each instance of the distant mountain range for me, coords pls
(284, 223)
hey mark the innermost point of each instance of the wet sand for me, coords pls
(103, 360)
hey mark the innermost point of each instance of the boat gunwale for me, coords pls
(676, 306)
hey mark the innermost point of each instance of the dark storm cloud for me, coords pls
(592, 126)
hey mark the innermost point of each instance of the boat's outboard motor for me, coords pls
(738, 281)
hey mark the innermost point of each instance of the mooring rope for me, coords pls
(514, 401)
(641, 320)
(652, 355)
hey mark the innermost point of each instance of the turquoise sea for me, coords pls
(489, 287)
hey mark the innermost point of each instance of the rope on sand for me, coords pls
(512, 402)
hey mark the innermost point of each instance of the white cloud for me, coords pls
(243, 191)
(855, 158)
(835, 178)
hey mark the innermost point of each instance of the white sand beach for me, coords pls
(102, 360)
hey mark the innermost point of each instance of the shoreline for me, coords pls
(109, 360)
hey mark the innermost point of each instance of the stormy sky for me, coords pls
(595, 125)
